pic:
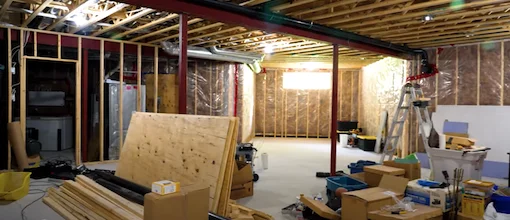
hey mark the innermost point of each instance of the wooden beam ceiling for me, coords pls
(125, 21)
(35, 13)
(77, 9)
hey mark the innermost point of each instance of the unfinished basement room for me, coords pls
(254, 109)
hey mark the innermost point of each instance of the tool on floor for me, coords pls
(246, 152)
(411, 97)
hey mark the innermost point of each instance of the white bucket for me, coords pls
(344, 140)
(449, 160)
(265, 161)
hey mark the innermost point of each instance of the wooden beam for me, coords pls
(77, 9)
(353, 10)
(227, 37)
(9, 92)
(241, 39)
(139, 79)
(258, 42)
(215, 33)
(101, 100)
(282, 46)
(124, 21)
(22, 85)
(77, 104)
(156, 71)
(5, 6)
(146, 26)
(291, 4)
(218, 24)
(480, 38)
(167, 29)
(291, 49)
(305, 49)
(397, 17)
(324, 7)
(36, 12)
(100, 17)
(121, 96)
(453, 36)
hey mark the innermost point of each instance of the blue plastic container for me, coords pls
(358, 166)
(346, 182)
(501, 203)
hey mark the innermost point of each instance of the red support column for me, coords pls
(84, 104)
(183, 61)
(334, 106)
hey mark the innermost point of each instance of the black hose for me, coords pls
(121, 191)
(124, 183)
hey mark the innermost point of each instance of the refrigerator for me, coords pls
(112, 130)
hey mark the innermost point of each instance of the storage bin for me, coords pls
(358, 166)
(346, 182)
(366, 143)
(14, 185)
(501, 203)
(471, 162)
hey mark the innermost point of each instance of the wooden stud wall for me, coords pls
(302, 113)
(36, 56)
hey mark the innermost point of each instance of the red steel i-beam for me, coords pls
(334, 109)
(181, 6)
(183, 61)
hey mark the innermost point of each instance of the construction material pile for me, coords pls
(85, 199)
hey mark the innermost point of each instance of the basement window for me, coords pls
(306, 80)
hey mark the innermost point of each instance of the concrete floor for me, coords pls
(292, 167)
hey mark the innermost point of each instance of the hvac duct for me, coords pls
(213, 54)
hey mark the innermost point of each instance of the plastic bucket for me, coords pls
(14, 185)
(344, 140)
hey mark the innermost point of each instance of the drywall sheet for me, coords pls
(490, 73)
(467, 76)
(186, 148)
(490, 129)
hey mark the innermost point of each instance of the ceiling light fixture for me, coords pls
(268, 49)
(428, 18)
(79, 19)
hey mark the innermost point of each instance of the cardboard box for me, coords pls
(191, 203)
(241, 191)
(426, 196)
(456, 140)
(358, 176)
(242, 173)
(422, 212)
(412, 171)
(373, 174)
(361, 202)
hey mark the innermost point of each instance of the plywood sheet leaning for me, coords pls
(226, 186)
(184, 148)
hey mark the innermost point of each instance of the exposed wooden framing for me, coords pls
(410, 15)
(475, 39)
(156, 71)
(441, 20)
(309, 48)
(502, 57)
(35, 13)
(318, 113)
(340, 94)
(210, 89)
(23, 85)
(146, 26)
(353, 10)
(77, 104)
(265, 100)
(124, 21)
(35, 44)
(139, 78)
(121, 95)
(238, 40)
(100, 17)
(213, 34)
(217, 24)
(101, 100)
(275, 99)
(9, 91)
(284, 113)
(297, 111)
(447, 36)
(196, 87)
(5, 6)
(258, 42)
(299, 46)
(326, 6)
(167, 29)
(77, 9)
(291, 4)
(478, 75)
(276, 45)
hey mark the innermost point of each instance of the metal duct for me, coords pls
(203, 53)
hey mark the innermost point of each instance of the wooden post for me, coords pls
(59, 46)
(183, 62)
(502, 100)
(307, 111)
(101, 100)
(121, 96)
(275, 99)
(23, 85)
(156, 71)
(139, 79)
(9, 92)
(334, 109)
(77, 113)
(35, 44)
(457, 75)
(265, 100)
(297, 111)
(318, 114)
(437, 77)
(196, 88)
(478, 76)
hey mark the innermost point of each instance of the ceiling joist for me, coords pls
(36, 12)
(124, 21)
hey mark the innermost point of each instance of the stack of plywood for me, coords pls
(85, 199)
(185, 148)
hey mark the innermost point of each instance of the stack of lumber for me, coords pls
(188, 149)
(239, 212)
(87, 200)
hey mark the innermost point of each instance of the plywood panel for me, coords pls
(490, 73)
(167, 93)
(467, 75)
(185, 148)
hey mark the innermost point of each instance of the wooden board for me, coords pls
(59, 209)
(88, 203)
(109, 195)
(79, 205)
(185, 148)
(168, 92)
(229, 172)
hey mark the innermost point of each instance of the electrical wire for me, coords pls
(37, 191)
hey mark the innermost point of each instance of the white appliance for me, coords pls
(55, 133)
